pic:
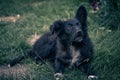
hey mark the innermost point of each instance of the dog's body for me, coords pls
(43, 48)
(68, 44)
(73, 48)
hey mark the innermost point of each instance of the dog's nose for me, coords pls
(79, 33)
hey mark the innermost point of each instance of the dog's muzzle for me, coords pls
(78, 36)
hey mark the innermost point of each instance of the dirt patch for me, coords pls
(16, 70)
(10, 18)
(33, 39)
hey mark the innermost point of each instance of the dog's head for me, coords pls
(72, 29)
(69, 30)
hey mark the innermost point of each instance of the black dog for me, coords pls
(68, 44)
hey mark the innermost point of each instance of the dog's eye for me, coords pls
(70, 24)
(68, 29)
(77, 23)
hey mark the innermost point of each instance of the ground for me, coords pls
(23, 21)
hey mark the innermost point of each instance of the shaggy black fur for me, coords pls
(68, 44)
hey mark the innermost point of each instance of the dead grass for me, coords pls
(33, 38)
(16, 70)
(10, 18)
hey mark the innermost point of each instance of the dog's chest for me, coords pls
(75, 54)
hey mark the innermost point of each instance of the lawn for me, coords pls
(22, 21)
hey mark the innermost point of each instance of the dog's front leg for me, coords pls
(59, 67)
(87, 70)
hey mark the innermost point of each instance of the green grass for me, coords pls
(35, 17)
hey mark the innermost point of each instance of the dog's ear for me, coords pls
(57, 27)
(81, 15)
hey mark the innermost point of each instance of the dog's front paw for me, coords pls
(91, 77)
(58, 76)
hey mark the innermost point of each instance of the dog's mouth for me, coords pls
(78, 37)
